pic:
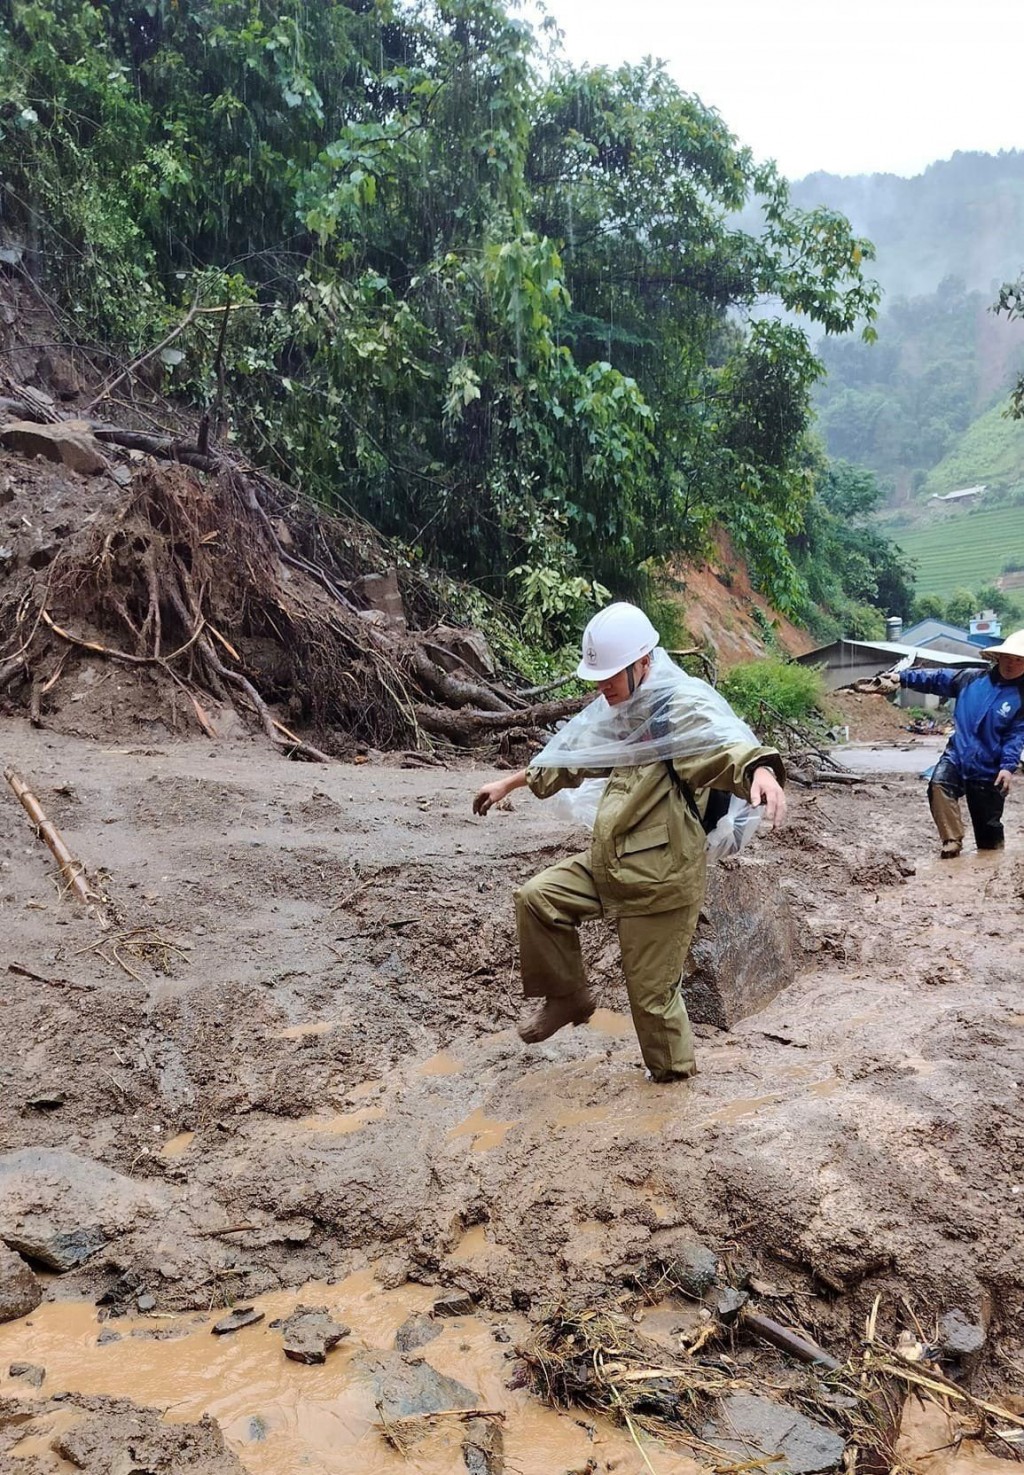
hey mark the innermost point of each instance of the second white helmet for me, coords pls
(613, 640)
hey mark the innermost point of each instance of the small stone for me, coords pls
(456, 1302)
(107, 1335)
(693, 1270)
(146, 1303)
(45, 1101)
(240, 1317)
(959, 1337)
(29, 1371)
(729, 1302)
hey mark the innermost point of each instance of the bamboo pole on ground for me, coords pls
(71, 869)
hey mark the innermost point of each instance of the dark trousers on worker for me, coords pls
(984, 805)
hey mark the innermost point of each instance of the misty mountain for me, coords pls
(946, 240)
(962, 217)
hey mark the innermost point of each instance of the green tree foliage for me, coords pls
(854, 574)
(928, 607)
(506, 315)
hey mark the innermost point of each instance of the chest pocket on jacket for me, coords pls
(645, 855)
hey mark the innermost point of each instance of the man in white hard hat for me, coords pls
(646, 866)
(985, 749)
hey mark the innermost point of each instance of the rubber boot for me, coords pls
(553, 1014)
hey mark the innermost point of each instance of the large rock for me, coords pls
(116, 1438)
(457, 650)
(20, 1292)
(71, 443)
(58, 1209)
(310, 1333)
(380, 592)
(404, 1387)
(748, 1426)
(743, 954)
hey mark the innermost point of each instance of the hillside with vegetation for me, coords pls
(415, 265)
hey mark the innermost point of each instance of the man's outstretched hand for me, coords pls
(493, 793)
(765, 789)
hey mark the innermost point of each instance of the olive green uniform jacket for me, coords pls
(647, 854)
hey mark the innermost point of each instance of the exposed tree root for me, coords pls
(237, 593)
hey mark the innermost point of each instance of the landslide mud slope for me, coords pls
(295, 1053)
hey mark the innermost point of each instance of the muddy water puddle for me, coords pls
(748, 1106)
(279, 1416)
(177, 1146)
(486, 1132)
(340, 1124)
(442, 1064)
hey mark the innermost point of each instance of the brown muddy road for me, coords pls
(297, 1051)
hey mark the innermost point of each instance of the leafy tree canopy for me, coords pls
(498, 305)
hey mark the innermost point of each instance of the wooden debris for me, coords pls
(787, 1340)
(71, 869)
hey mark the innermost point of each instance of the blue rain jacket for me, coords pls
(988, 732)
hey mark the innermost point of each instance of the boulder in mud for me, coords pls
(404, 1387)
(454, 649)
(416, 1331)
(748, 1425)
(380, 592)
(20, 1292)
(744, 951)
(58, 1209)
(456, 1302)
(687, 1266)
(31, 1372)
(960, 1338)
(310, 1333)
(71, 443)
(116, 1436)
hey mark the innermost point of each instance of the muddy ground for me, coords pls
(295, 1050)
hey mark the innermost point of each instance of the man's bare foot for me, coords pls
(553, 1014)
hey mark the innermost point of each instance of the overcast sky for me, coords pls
(877, 85)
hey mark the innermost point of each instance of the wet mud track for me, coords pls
(300, 1056)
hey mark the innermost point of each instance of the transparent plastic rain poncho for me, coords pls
(670, 715)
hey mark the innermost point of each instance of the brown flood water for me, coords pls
(279, 1416)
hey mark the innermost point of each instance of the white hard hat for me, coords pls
(613, 640)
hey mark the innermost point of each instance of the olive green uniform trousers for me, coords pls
(549, 909)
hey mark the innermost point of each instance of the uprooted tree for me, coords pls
(218, 586)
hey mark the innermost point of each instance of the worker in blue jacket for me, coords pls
(985, 748)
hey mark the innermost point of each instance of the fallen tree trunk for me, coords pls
(163, 446)
(466, 726)
(456, 693)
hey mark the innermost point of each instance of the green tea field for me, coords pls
(964, 552)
